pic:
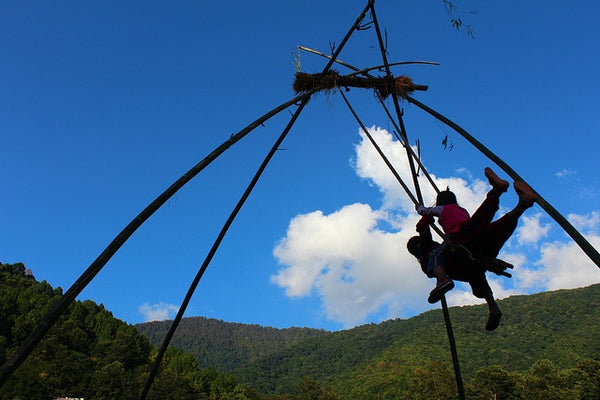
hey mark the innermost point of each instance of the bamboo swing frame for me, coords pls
(384, 87)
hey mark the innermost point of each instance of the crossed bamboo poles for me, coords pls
(300, 100)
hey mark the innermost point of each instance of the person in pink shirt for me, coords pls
(477, 233)
(456, 222)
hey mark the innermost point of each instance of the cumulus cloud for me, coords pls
(355, 267)
(566, 266)
(532, 230)
(369, 166)
(589, 222)
(157, 312)
(359, 267)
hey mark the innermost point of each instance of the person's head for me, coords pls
(413, 245)
(446, 197)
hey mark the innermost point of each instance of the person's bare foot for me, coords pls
(525, 193)
(495, 181)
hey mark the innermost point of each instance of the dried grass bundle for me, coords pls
(401, 85)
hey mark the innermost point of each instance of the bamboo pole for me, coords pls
(213, 251)
(49, 319)
(383, 51)
(450, 332)
(453, 351)
(365, 70)
(231, 218)
(581, 241)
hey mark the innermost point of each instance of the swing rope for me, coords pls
(383, 50)
(577, 237)
(446, 312)
(402, 132)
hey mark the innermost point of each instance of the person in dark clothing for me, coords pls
(483, 237)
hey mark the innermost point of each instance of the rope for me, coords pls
(581, 241)
(455, 362)
(383, 51)
(378, 149)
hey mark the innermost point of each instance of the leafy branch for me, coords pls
(456, 21)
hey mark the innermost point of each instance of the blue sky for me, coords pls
(104, 105)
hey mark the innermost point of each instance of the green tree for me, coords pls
(171, 385)
(311, 389)
(494, 382)
(584, 379)
(544, 381)
(112, 381)
(435, 381)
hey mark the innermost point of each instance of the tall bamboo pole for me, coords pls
(450, 332)
(453, 351)
(232, 216)
(591, 252)
(213, 251)
(383, 51)
(581, 241)
(50, 318)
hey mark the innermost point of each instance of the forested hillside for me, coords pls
(91, 354)
(562, 327)
(225, 345)
(547, 348)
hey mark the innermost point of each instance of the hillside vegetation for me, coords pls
(560, 327)
(547, 348)
(90, 354)
(225, 345)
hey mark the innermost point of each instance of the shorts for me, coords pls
(436, 257)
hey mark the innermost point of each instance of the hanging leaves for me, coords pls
(447, 146)
(455, 20)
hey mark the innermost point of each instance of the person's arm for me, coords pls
(423, 228)
(432, 211)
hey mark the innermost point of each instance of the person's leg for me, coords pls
(482, 290)
(484, 214)
(443, 285)
(495, 313)
(498, 232)
(443, 281)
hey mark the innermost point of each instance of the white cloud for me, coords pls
(355, 267)
(157, 312)
(370, 166)
(565, 173)
(461, 295)
(359, 270)
(566, 266)
(532, 230)
(559, 265)
(589, 222)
